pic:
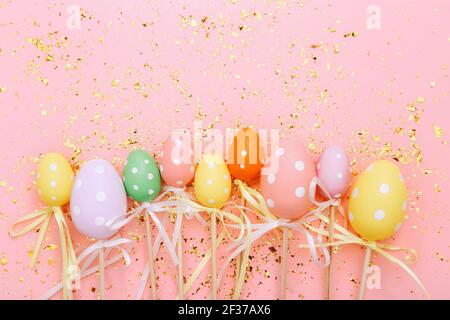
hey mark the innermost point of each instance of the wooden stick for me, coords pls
(363, 284)
(330, 266)
(101, 268)
(180, 265)
(284, 253)
(150, 255)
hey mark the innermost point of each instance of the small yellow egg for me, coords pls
(212, 181)
(54, 180)
(378, 201)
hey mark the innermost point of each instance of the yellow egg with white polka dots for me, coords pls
(212, 181)
(54, 180)
(378, 201)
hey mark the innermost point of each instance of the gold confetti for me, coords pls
(438, 131)
(2, 89)
(115, 83)
(3, 261)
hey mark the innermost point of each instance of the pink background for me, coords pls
(273, 64)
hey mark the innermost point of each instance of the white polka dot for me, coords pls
(191, 168)
(99, 221)
(211, 165)
(270, 179)
(279, 152)
(150, 192)
(162, 154)
(179, 182)
(355, 193)
(134, 170)
(53, 167)
(76, 211)
(53, 198)
(225, 190)
(146, 161)
(299, 192)
(384, 188)
(337, 195)
(211, 201)
(161, 168)
(338, 155)
(243, 153)
(369, 168)
(99, 169)
(299, 165)
(397, 227)
(150, 176)
(225, 177)
(176, 162)
(270, 203)
(405, 205)
(53, 183)
(209, 182)
(350, 216)
(78, 183)
(340, 175)
(178, 142)
(135, 187)
(379, 214)
(402, 179)
(100, 196)
(242, 166)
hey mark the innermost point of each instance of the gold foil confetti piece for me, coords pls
(353, 34)
(2, 89)
(3, 261)
(49, 58)
(51, 247)
(115, 83)
(437, 188)
(438, 131)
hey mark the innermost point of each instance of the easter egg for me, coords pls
(98, 198)
(141, 176)
(212, 181)
(244, 157)
(176, 161)
(286, 180)
(333, 170)
(378, 201)
(54, 180)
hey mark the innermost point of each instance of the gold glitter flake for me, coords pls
(438, 131)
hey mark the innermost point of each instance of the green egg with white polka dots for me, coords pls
(141, 176)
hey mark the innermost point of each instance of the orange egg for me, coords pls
(245, 155)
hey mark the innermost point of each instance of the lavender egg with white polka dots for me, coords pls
(98, 197)
(333, 170)
(286, 180)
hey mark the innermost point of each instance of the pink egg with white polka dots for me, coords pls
(98, 197)
(177, 160)
(286, 180)
(333, 170)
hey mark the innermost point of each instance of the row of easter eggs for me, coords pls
(98, 194)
